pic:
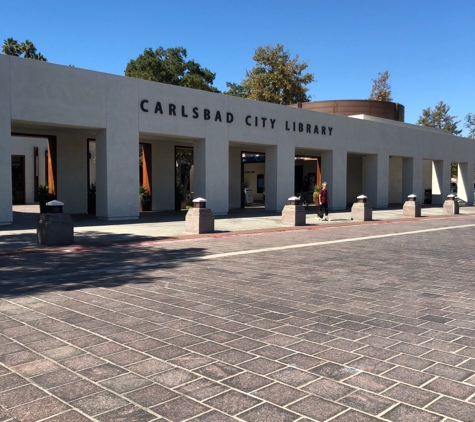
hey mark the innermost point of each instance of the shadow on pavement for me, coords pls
(33, 273)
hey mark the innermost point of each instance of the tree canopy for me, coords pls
(25, 49)
(236, 90)
(470, 125)
(171, 67)
(381, 89)
(440, 118)
(276, 78)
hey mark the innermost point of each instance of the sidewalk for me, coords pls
(88, 230)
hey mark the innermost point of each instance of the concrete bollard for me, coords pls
(361, 210)
(294, 214)
(199, 219)
(451, 206)
(411, 207)
(54, 227)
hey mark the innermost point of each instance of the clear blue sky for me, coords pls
(427, 46)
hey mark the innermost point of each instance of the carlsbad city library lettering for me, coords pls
(92, 126)
(218, 116)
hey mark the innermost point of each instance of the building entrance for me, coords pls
(308, 178)
(253, 179)
(18, 179)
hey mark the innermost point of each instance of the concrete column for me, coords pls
(163, 176)
(411, 177)
(334, 168)
(211, 177)
(72, 172)
(6, 214)
(441, 170)
(465, 182)
(279, 175)
(235, 188)
(407, 178)
(376, 179)
(118, 154)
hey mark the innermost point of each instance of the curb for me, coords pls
(215, 235)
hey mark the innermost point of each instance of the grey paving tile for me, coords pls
(39, 409)
(402, 413)
(99, 403)
(151, 395)
(411, 395)
(20, 395)
(450, 388)
(180, 409)
(268, 412)
(173, 377)
(127, 413)
(125, 383)
(367, 402)
(232, 402)
(201, 389)
(316, 408)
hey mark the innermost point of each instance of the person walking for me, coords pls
(324, 201)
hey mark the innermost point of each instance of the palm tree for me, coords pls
(28, 49)
(11, 47)
(39, 57)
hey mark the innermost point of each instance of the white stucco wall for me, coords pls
(235, 188)
(72, 166)
(395, 180)
(6, 214)
(354, 178)
(163, 176)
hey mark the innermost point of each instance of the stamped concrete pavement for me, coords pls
(363, 322)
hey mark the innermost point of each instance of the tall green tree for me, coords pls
(236, 90)
(39, 57)
(276, 77)
(25, 49)
(171, 67)
(470, 125)
(28, 49)
(381, 89)
(440, 118)
(11, 47)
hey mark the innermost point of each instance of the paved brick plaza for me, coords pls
(370, 322)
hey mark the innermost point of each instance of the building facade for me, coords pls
(386, 160)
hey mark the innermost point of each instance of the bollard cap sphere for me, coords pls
(361, 198)
(411, 197)
(55, 203)
(451, 197)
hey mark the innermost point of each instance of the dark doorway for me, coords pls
(91, 176)
(308, 177)
(298, 180)
(18, 179)
(184, 159)
(145, 176)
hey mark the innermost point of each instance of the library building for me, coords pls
(100, 142)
